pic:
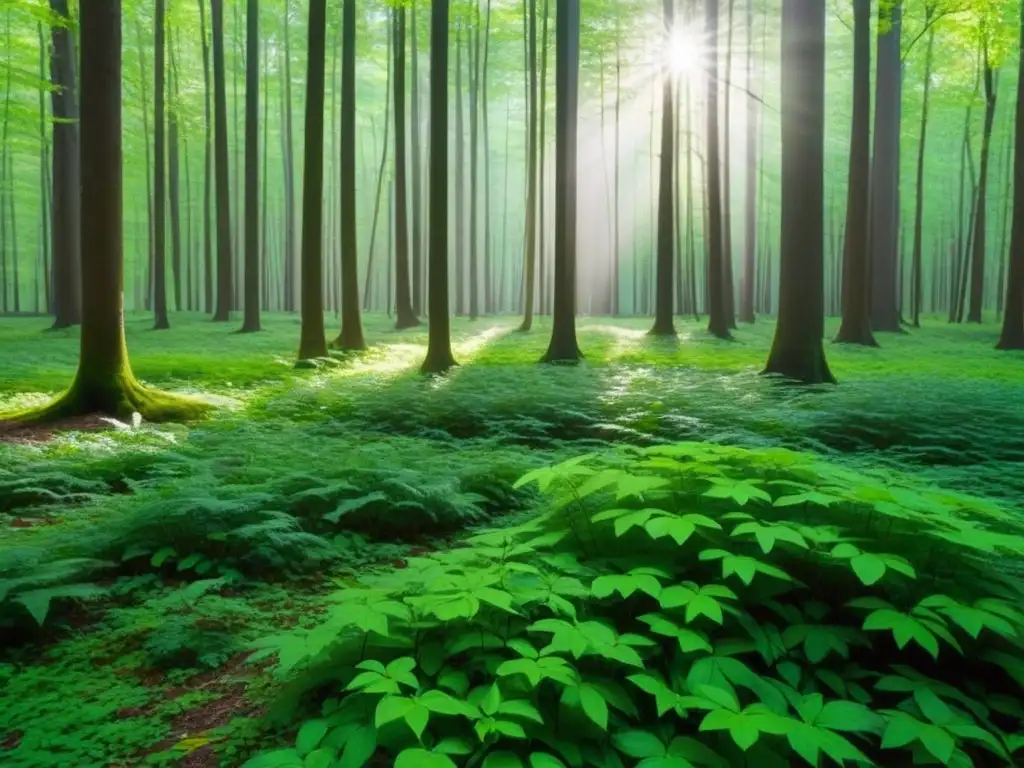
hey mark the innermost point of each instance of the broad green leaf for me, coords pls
(310, 735)
(545, 760)
(638, 744)
(392, 708)
(594, 705)
(421, 758)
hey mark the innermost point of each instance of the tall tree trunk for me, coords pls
(460, 177)
(1012, 336)
(207, 168)
(251, 303)
(746, 313)
(313, 342)
(488, 268)
(563, 347)
(44, 180)
(351, 336)
(977, 296)
(404, 315)
(856, 298)
(1005, 217)
(439, 357)
(160, 166)
(663, 324)
(289, 165)
(916, 265)
(797, 352)
(265, 244)
(225, 292)
(416, 251)
(174, 175)
(474, 170)
(617, 236)
(530, 265)
(728, 300)
(380, 184)
(718, 319)
(66, 230)
(883, 226)
(542, 239)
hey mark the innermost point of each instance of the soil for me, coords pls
(17, 432)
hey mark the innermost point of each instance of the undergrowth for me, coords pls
(683, 605)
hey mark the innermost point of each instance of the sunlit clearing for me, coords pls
(467, 349)
(686, 53)
(626, 339)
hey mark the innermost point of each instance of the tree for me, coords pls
(104, 382)
(718, 321)
(251, 319)
(563, 347)
(313, 342)
(439, 357)
(207, 168)
(916, 266)
(530, 241)
(67, 290)
(663, 325)
(856, 323)
(977, 294)
(883, 227)
(405, 317)
(797, 352)
(746, 313)
(1012, 336)
(161, 321)
(351, 336)
(220, 141)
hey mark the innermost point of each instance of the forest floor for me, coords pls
(139, 563)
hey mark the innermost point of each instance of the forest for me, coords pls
(511, 383)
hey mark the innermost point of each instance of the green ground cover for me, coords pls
(140, 566)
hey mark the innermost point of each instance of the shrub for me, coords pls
(683, 605)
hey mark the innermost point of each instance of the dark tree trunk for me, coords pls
(460, 177)
(728, 299)
(351, 336)
(207, 169)
(883, 226)
(380, 184)
(251, 304)
(473, 50)
(265, 242)
(663, 324)
(916, 266)
(856, 296)
(530, 265)
(977, 296)
(44, 181)
(439, 357)
(313, 342)
(563, 347)
(174, 176)
(488, 269)
(224, 259)
(65, 220)
(159, 182)
(542, 239)
(289, 173)
(416, 251)
(404, 315)
(746, 313)
(718, 320)
(1012, 336)
(797, 352)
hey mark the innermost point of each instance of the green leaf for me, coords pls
(421, 758)
(638, 744)
(161, 556)
(492, 700)
(37, 603)
(278, 758)
(503, 760)
(848, 716)
(520, 708)
(869, 568)
(359, 747)
(417, 718)
(319, 758)
(594, 705)
(391, 708)
(544, 760)
(445, 704)
(310, 735)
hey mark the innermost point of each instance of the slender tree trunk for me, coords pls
(439, 357)
(351, 336)
(916, 267)
(530, 265)
(174, 173)
(718, 316)
(883, 226)
(488, 267)
(225, 292)
(265, 243)
(66, 235)
(159, 182)
(380, 184)
(746, 313)
(251, 298)
(1005, 217)
(617, 237)
(977, 295)
(663, 324)
(542, 239)
(563, 347)
(44, 181)
(416, 250)
(313, 342)
(207, 168)
(404, 315)
(460, 177)
(728, 300)
(289, 164)
(856, 298)
(473, 50)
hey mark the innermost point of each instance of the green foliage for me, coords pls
(774, 608)
(30, 584)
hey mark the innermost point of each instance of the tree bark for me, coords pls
(856, 324)
(225, 291)
(289, 171)
(251, 303)
(207, 168)
(797, 352)
(174, 175)
(66, 211)
(530, 264)
(439, 357)
(160, 319)
(718, 321)
(746, 313)
(663, 324)
(1012, 335)
(404, 315)
(977, 296)
(416, 250)
(313, 342)
(916, 265)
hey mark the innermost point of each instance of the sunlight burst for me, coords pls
(686, 53)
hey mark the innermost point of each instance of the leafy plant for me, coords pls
(683, 605)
